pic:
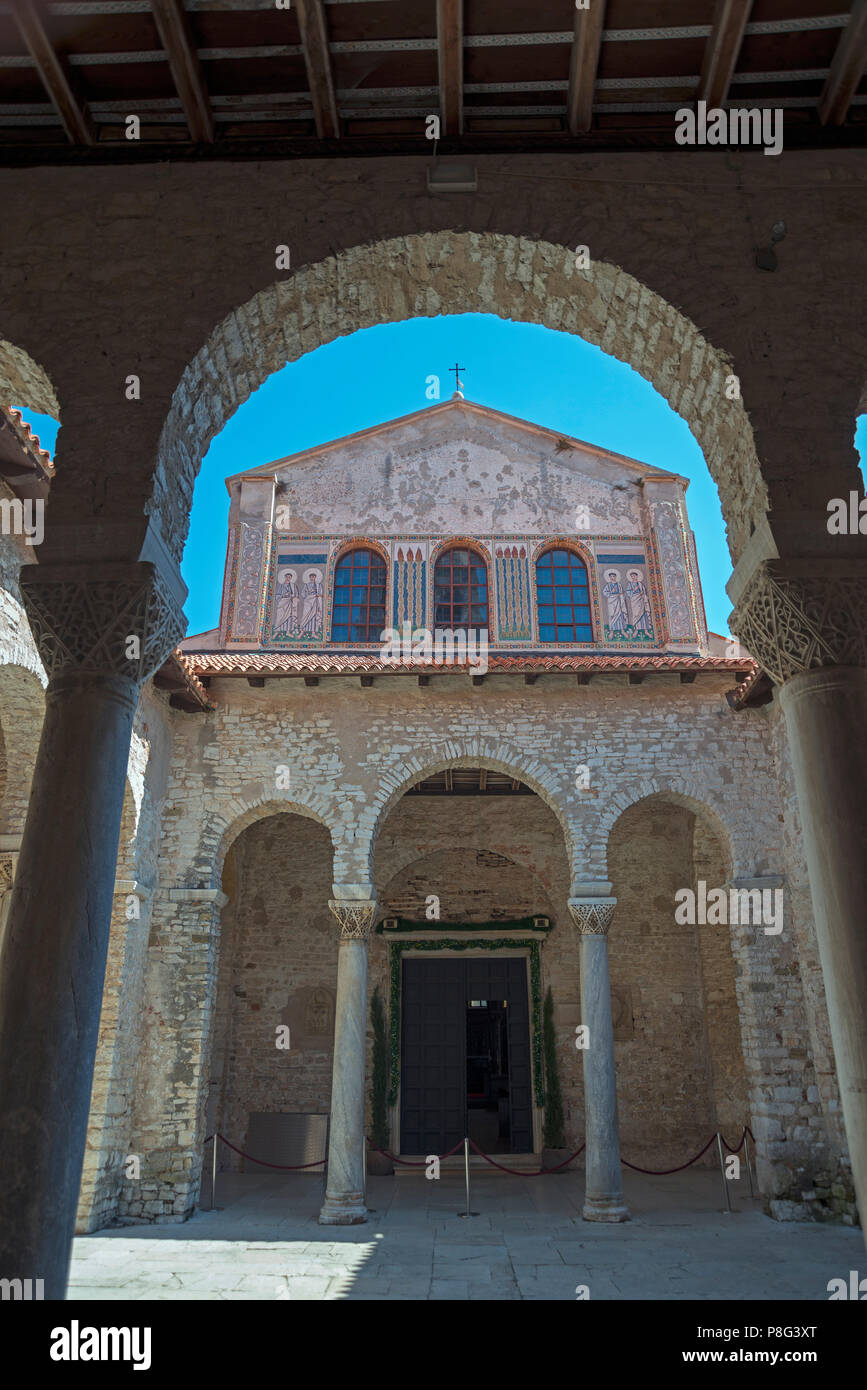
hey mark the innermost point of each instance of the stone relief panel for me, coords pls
(309, 1015)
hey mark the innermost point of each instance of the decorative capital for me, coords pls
(796, 616)
(355, 915)
(7, 872)
(592, 916)
(110, 620)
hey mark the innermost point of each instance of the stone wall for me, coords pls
(681, 788)
(278, 967)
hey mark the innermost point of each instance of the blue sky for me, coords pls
(551, 378)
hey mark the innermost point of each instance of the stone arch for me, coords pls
(422, 860)
(255, 804)
(461, 272)
(495, 758)
(686, 792)
(24, 383)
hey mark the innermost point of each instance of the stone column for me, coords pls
(806, 624)
(344, 1195)
(603, 1194)
(101, 631)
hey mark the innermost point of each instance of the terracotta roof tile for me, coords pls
(28, 439)
(241, 663)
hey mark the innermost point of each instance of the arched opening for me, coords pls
(680, 1064)
(273, 1028)
(460, 272)
(472, 880)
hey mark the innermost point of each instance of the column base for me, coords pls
(605, 1209)
(343, 1211)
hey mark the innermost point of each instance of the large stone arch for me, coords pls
(686, 792)
(461, 272)
(24, 383)
(256, 803)
(478, 753)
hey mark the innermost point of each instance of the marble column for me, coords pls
(806, 624)
(603, 1193)
(344, 1194)
(101, 631)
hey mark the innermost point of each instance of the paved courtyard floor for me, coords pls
(527, 1242)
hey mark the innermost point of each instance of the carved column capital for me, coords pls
(592, 916)
(355, 915)
(8, 863)
(106, 620)
(796, 616)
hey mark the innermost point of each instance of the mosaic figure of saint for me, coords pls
(639, 603)
(286, 603)
(310, 622)
(618, 617)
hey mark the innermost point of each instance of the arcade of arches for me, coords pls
(775, 1026)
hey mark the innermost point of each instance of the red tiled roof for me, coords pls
(28, 439)
(242, 663)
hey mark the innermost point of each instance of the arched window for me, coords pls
(460, 590)
(358, 609)
(563, 595)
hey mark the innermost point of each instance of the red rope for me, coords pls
(663, 1172)
(740, 1145)
(526, 1172)
(284, 1167)
(405, 1162)
(516, 1172)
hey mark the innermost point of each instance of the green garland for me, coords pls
(446, 943)
(517, 924)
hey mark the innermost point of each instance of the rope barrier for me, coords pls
(515, 1172)
(284, 1167)
(664, 1172)
(525, 1172)
(405, 1162)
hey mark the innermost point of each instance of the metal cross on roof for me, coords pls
(458, 383)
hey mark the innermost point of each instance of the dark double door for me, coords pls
(443, 1003)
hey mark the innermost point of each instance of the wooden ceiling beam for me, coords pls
(722, 49)
(450, 60)
(317, 58)
(78, 125)
(177, 38)
(583, 66)
(847, 68)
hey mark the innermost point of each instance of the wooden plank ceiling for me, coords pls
(237, 78)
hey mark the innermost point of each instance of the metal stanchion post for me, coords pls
(214, 1174)
(749, 1164)
(467, 1213)
(722, 1169)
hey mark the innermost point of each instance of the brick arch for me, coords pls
(257, 803)
(24, 383)
(495, 758)
(418, 861)
(454, 272)
(690, 794)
